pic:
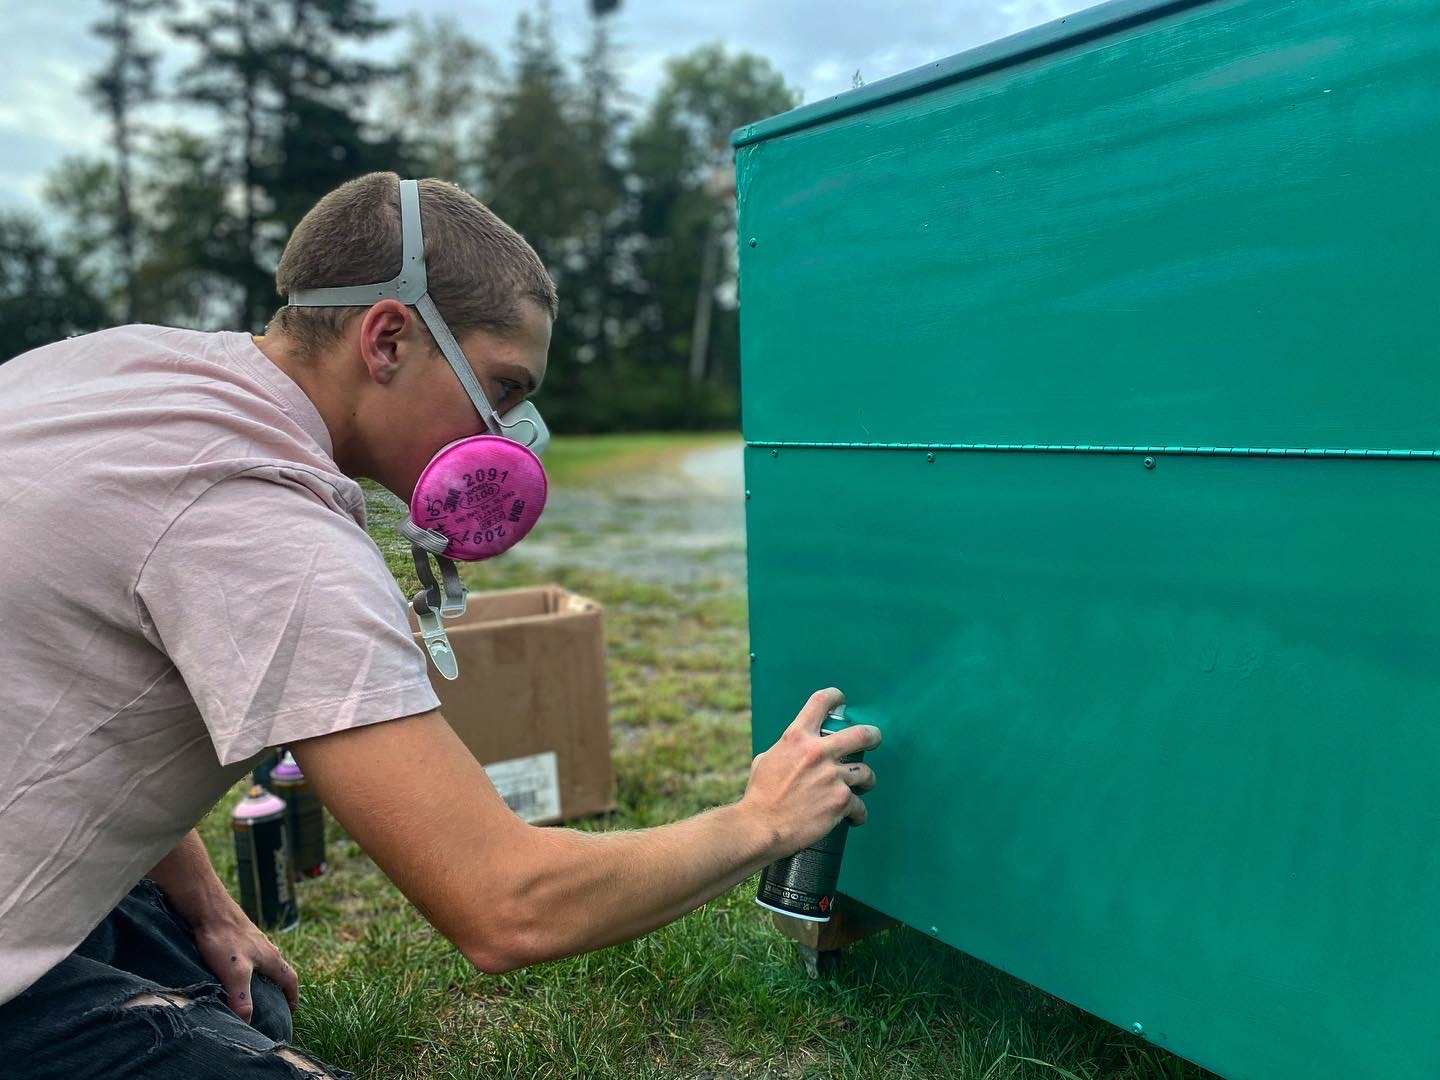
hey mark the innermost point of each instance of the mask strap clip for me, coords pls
(437, 642)
(446, 597)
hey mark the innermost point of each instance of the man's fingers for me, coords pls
(852, 740)
(858, 775)
(857, 812)
(290, 983)
(283, 975)
(813, 714)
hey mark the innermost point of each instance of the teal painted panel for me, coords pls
(1160, 741)
(1218, 228)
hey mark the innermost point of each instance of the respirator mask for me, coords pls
(479, 495)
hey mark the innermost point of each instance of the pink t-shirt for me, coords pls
(185, 580)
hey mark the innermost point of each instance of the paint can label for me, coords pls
(267, 893)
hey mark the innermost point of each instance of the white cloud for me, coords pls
(1023, 13)
(47, 97)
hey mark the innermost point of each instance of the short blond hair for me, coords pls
(478, 268)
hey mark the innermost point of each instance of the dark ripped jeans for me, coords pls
(135, 1000)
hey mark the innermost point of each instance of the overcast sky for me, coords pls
(817, 45)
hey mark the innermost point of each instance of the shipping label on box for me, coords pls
(529, 785)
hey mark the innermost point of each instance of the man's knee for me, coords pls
(268, 1039)
(178, 1001)
(166, 1010)
(301, 1062)
(272, 1012)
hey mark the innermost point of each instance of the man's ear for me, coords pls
(381, 328)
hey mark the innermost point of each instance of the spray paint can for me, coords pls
(803, 885)
(304, 818)
(262, 861)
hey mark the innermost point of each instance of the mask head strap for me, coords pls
(411, 287)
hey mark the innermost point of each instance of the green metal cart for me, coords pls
(1092, 408)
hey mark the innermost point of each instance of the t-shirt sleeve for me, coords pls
(281, 616)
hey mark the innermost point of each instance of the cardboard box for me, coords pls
(531, 702)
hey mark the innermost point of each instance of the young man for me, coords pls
(186, 581)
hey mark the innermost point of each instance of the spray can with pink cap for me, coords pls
(304, 818)
(262, 860)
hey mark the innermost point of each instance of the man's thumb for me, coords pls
(237, 993)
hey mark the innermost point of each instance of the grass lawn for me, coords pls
(581, 458)
(718, 994)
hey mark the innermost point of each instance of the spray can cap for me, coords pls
(287, 769)
(835, 720)
(258, 803)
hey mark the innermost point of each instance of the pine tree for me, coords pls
(191, 232)
(291, 101)
(320, 96)
(43, 295)
(533, 143)
(124, 85)
(234, 75)
(535, 177)
(602, 223)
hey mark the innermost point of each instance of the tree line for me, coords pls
(629, 203)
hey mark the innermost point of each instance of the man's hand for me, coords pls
(234, 948)
(230, 944)
(799, 788)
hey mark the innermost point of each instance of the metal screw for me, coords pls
(753, 241)
(747, 493)
(752, 657)
(930, 457)
(1138, 1028)
(1149, 463)
(774, 453)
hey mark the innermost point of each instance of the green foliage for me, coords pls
(184, 245)
(191, 233)
(533, 140)
(551, 172)
(43, 294)
(84, 191)
(711, 91)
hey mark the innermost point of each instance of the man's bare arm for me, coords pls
(510, 894)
